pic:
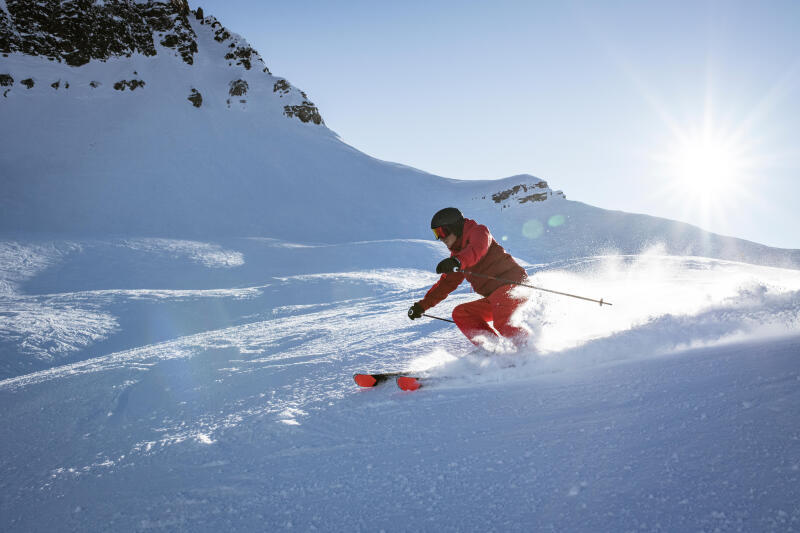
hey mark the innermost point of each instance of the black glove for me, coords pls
(449, 265)
(415, 311)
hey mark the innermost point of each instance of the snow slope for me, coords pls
(672, 412)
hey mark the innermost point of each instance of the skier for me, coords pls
(476, 256)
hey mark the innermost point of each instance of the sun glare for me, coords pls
(707, 174)
(706, 165)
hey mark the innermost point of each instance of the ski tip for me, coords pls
(365, 380)
(408, 383)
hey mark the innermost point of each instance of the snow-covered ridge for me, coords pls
(194, 143)
(72, 34)
(520, 189)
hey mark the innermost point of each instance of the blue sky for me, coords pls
(686, 110)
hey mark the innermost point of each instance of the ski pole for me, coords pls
(600, 301)
(439, 318)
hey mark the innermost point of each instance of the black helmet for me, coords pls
(449, 217)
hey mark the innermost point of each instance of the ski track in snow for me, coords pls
(210, 255)
(606, 422)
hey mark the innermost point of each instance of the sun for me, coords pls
(706, 165)
(707, 173)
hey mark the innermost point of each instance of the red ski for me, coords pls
(409, 383)
(405, 382)
(373, 380)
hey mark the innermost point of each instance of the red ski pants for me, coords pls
(473, 318)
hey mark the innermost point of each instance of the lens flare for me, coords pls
(532, 229)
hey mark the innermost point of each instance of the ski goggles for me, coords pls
(441, 232)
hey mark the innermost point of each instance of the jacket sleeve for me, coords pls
(476, 244)
(446, 284)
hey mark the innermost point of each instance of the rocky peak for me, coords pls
(531, 190)
(76, 32)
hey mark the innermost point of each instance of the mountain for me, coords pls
(78, 32)
(148, 118)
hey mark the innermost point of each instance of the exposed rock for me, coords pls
(77, 31)
(196, 98)
(540, 197)
(536, 197)
(220, 33)
(182, 6)
(131, 84)
(6, 80)
(198, 14)
(94, 84)
(29, 83)
(170, 41)
(244, 56)
(56, 85)
(282, 87)
(6, 33)
(184, 44)
(306, 112)
(238, 88)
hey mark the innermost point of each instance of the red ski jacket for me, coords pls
(478, 252)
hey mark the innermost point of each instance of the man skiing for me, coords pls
(476, 256)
